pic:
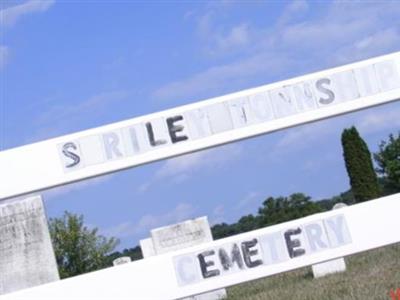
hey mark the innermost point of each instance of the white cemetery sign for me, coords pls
(179, 236)
(222, 263)
(26, 252)
(199, 125)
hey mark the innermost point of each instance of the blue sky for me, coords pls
(69, 66)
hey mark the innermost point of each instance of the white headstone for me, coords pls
(147, 247)
(330, 266)
(26, 253)
(179, 236)
(121, 260)
(339, 205)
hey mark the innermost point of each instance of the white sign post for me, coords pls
(244, 257)
(199, 125)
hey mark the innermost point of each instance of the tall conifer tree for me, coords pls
(363, 179)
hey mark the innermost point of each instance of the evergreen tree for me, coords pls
(363, 179)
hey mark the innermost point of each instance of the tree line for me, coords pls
(79, 249)
(364, 181)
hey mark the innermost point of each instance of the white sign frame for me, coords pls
(205, 124)
(156, 278)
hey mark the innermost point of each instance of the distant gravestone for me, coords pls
(26, 253)
(339, 205)
(147, 248)
(121, 260)
(179, 236)
(331, 266)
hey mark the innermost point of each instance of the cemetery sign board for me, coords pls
(199, 125)
(240, 258)
(263, 250)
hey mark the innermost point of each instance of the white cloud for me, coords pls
(182, 212)
(238, 36)
(292, 12)
(178, 169)
(384, 118)
(334, 36)
(188, 15)
(98, 102)
(218, 215)
(144, 187)
(341, 32)
(56, 192)
(300, 135)
(317, 163)
(380, 120)
(182, 164)
(221, 76)
(384, 38)
(221, 41)
(374, 120)
(4, 55)
(190, 163)
(387, 39)
(204, 24)
(63, 117)
(11, 15)
(248, 200)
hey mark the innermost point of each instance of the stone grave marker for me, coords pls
(330, 266)
(179, 236)
(147, 247)
(121, 260)
(26, 252)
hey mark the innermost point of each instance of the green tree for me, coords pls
(77, 248)
(345, 197)
(282, 209)
(247, 223)
(363, 179)
(388, 160)
(223, 230)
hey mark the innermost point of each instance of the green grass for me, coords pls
(369, 275)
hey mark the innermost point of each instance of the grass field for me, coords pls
(369, 275)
